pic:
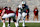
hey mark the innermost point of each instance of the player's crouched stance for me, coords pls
(7, 13)
(12, 15)
(24, 13)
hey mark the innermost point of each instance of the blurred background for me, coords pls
(31, 4)
(14, 3)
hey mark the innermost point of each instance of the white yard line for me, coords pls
(27, 21)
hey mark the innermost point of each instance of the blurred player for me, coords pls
(22, 12)
(12, 15)
(27, 11)
(35, 13)
(7, 13)
(24, 8)
(4, 15)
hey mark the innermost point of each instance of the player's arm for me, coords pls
(2, 12)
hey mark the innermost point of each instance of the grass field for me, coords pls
(27, 24)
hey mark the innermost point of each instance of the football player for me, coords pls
(8, 13)
(24, 8)
(12, 15)
(35, 13)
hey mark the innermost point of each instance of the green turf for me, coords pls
(27, 24)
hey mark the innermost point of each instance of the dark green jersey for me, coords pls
(24, 10)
